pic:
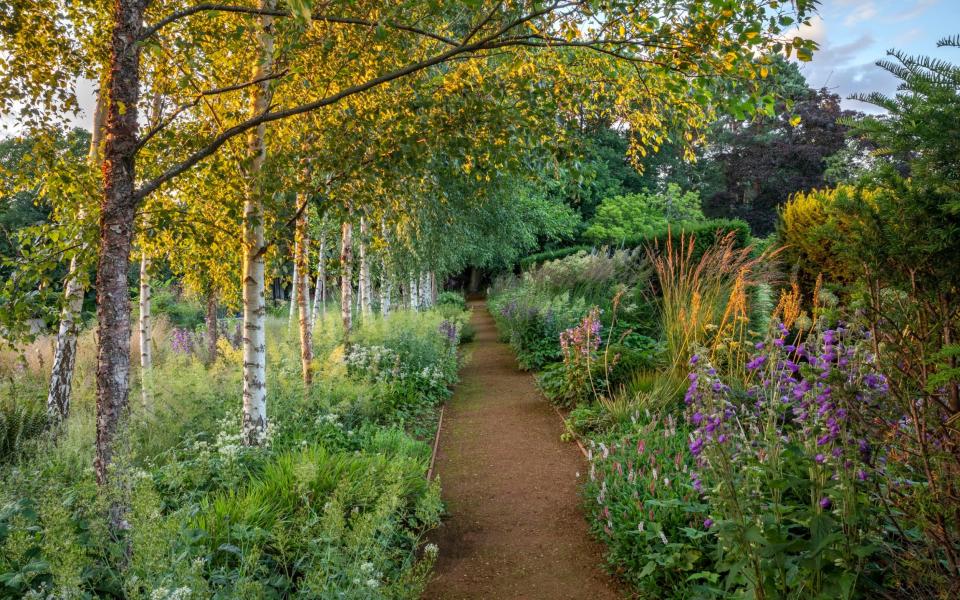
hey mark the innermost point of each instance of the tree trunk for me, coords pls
(320, 293)
(433, 288)
(65, 354)
(424, 288)
(364, 283)
(294, 282)
(254, 305)
(146, 331)
(210, 320)
(414, 294)
(117, 212)
(346, 279)
(303, 298)
(385, 282)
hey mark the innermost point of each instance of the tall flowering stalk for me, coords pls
(778, 458)
(580, 346)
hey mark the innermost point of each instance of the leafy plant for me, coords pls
(638, 216)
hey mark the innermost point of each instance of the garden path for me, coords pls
(515, 528)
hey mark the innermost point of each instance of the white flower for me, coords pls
(663, 537)
(640, 526)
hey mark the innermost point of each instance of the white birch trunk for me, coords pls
(414, 294)
(65, 354)
(366, 293)
(320, 293)
(146, 331)
(303, 298)
(254, 283)
(346, 279)
(294, 283)
(385, 283)
(424, 289)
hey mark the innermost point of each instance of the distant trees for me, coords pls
(764, 161)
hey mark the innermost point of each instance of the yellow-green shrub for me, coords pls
(811, 224)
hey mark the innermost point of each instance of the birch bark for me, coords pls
(146, 331)
(65, 353)
(303, 298)
(320, 293)
(385, 281)
(254, 306)
(117, 213)
(346, 279)
(364, 283)
(294, 282)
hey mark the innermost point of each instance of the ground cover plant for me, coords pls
(334, 503)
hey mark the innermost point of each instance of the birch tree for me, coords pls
(302, 285)
(65, 352)
(364, 275)
(146, 329)
(346, 279)
(254, 281)
(320, 293)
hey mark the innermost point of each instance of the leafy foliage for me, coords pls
(639, 216)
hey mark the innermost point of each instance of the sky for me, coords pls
(854, 34)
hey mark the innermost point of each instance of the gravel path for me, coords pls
(515, 528)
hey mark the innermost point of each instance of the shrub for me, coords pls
(642, 215)
(454, 299)
(535, 259)
(181, 311)
(809, 228)
(701, 236)
(532, 323)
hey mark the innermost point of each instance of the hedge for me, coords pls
(705, 235)
(542, 257)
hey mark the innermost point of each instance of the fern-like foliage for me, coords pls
(19, 422)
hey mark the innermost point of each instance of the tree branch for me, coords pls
(200, 96)
(249, 10)
(495, 40)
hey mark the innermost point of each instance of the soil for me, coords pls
(515, 527)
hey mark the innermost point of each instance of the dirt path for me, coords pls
(515, 529)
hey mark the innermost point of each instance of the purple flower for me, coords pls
(181, 341)
(825, 503)
(696, 418)
(707, 523)
(694, 359)
(696, 446)
(820, 459)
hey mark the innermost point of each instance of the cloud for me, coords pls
(860, 13)
(919, 7)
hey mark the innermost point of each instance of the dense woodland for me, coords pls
(233, 301)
